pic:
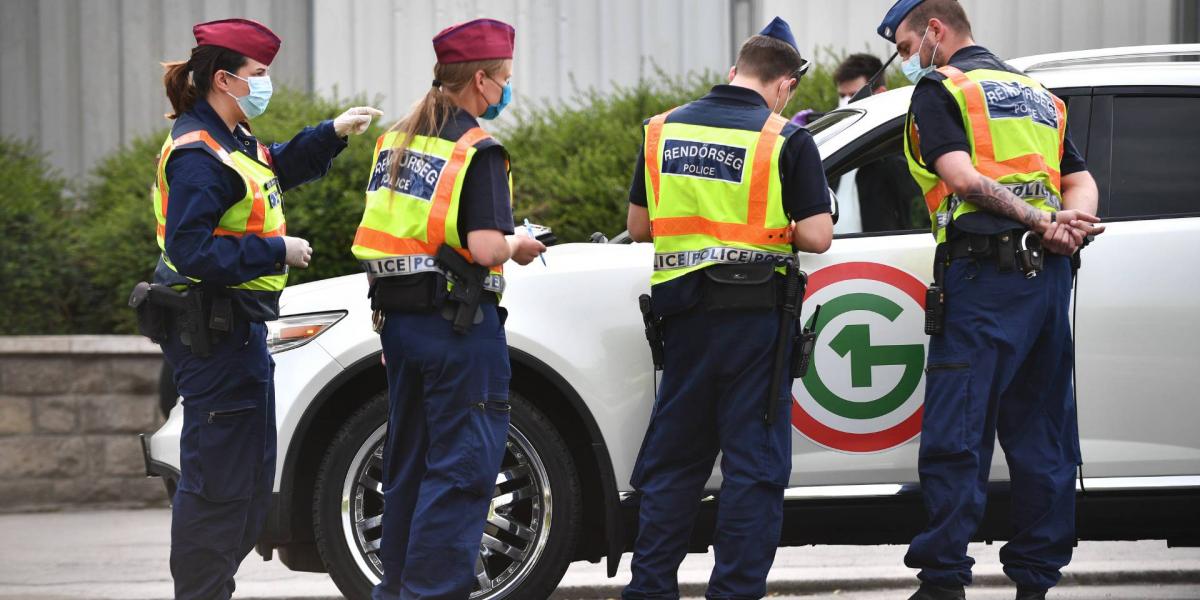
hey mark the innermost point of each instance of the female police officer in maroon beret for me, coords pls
(218, 202)
(440, 182)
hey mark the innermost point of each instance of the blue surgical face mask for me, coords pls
(255, 103)
(912, 67)
(494, 110)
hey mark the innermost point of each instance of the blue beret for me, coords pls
(891, 21)
(779, 29)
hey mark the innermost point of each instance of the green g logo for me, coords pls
(865, 385)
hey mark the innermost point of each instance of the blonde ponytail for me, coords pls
(431, 113)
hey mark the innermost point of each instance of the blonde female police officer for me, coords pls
(439, 180)
(218, 201)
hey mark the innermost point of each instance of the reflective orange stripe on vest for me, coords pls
(435, 229)
(254, 223)
(754, 230)
(653, 137)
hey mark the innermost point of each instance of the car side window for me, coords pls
(876, 193)
(1155, 145)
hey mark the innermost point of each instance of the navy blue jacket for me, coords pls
(202, 189)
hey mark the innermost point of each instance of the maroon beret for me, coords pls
(481, 39)
(248, 38)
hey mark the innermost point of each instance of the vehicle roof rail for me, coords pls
(1104, 55)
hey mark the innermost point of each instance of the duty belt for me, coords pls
(412, 264)
(666, 261)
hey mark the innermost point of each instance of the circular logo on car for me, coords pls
(865, 383)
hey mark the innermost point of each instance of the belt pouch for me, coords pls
(420, 292)
(740, 287)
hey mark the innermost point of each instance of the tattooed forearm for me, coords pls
(998, 200)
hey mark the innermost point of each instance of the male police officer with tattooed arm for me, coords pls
(1002, 182)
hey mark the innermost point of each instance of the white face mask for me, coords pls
(786, 96)
(843, 101)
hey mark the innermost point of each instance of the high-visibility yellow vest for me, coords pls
(407, 219)
(715, 196)
(1016, 129)
(259, 212)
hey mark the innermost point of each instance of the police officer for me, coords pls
(218, 202)
(988, 146)
(723, 182)
(438, 181)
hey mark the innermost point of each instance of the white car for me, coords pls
(583, 383)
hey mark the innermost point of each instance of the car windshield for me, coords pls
(832, 123)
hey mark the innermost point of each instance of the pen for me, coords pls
(529, 232)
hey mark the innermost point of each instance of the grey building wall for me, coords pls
(382, 47)
(1010, 28)
(82, 77)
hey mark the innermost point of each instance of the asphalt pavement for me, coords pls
(123, 554)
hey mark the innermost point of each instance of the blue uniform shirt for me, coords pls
(202, 189)
(485, 202)
(940, 124)
(805, 191)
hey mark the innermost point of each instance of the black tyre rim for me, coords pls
(518, 519)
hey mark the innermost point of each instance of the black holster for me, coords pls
(463, 307)
(197, 317)
(788, 338)
(654, 335)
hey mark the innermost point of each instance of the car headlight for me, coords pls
(294, 331)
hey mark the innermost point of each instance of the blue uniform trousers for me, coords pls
(447, 426)
(1003, 367)
(715, 382)
(227, 459)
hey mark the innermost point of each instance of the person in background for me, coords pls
(880, 195)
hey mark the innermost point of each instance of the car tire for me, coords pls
(537, 487)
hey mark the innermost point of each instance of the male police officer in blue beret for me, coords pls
(1010, 202)
(724, 186)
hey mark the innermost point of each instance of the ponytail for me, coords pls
(187, 80)
(180, 91)
(431, 113)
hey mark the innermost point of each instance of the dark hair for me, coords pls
(767, 59)
(855, 66)
(949, 12)
(187, 80)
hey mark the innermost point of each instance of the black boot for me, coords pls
(928, 591)
(1030, 594)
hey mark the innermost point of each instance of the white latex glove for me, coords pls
(298, 252)
(355, 120)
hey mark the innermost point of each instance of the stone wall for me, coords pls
(70, 411)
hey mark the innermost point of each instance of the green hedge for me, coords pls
(38, 269)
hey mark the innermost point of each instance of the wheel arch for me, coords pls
(602, 536)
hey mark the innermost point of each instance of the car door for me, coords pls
(856, 415)
(1137, 330)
